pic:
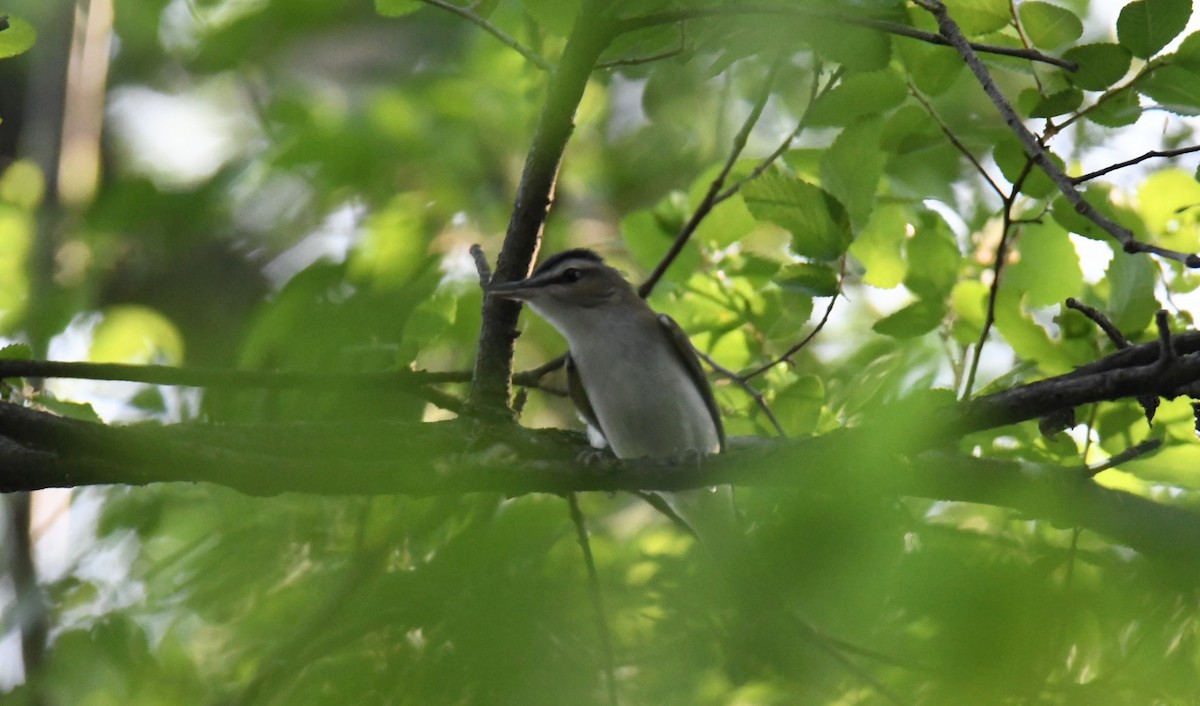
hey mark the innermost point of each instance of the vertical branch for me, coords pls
(491, 382)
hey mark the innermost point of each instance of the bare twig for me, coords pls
(954, 140)
(1110, 329)
(505, 39)
(481, 267)
(805, 341)
(1130, 162)
(710, 198)
(1125, 456)
(810, 13)
(1035, 150)
(747, 387)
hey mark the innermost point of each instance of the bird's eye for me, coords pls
(571, 274)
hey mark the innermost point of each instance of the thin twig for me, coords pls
(606, 648)
(747, 387)
(804, 342)
(505, 39)
(481, 267)
(1034, 148)
(1125, 456)
(989, 318)
(814, 95)
(1110, 329)
(709, 201)
(1130, 162)
(958, 144)
(903, 30)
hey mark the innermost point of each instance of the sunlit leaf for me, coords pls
(818, 223)
(1131, 301)
(813, 280)
(880, 246)
(18, 38)
(1048, 269)
(136, 334)
(1146, 26)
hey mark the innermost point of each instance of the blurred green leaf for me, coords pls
(397, 8)
(135, 334)
(852, 166)
(18, 38)
(858, 96)
(813, 280)
(880, 246)
(916, 319)
(1049, 26)
(1048, 270)
(1131, 302)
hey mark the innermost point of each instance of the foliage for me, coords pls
(367, 145)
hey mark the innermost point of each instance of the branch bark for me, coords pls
(491, 384)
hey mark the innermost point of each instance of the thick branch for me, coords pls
(491, 383)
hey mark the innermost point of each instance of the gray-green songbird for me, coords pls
(631, 372)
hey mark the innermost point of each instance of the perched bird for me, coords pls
(631, 372)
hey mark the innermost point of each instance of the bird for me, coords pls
(631, 372)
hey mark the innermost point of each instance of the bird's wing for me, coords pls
(687, 355)
(579, 395)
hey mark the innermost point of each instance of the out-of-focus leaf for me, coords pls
(933, 259)
(858, 96)
(1100, 65)
(798, 406)
(1131, 301)
(23, 184)
(1146, 26)
(397, 8)
(916, 319)
(1037, 105)
(813, 280)
(18, 38)
(1049, 26)
(880, 246)
(557, 16)
(136, 334)
(818, 223)
(1048, 270)
(977, 17)
(852, 166)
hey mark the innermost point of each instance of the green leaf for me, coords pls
(810, 279)
(397, 8)
(1146, 26)
(1010, 157)
(1049, 26)
(136, 334)
(976, 17)
(818, 223)
(16, 351)
(933, 259)
(1174, 88)
(1131, 302)
(1027, 338)
(1163, 197)
(858, 96)
(852, 166)
(1188, 53)
(798, 406)
(1100, 65)
(1048, 269)
(880, 246)
(17, 39)
(558, 16)
(1036, 105)
(916, 319)
(1122, 109)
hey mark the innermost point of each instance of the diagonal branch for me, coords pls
(505, 39)
(1034, 148)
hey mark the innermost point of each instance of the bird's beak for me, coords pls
(520, 291)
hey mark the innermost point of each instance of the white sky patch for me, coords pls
(1094, 257)
(178, 140)
(331, 241)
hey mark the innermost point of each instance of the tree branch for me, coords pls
(1033, 147)
(491, 381)
(493, 30)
